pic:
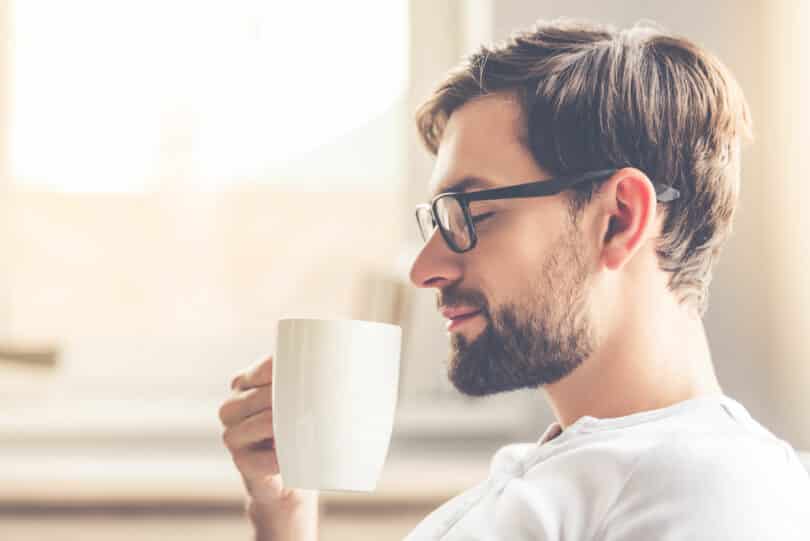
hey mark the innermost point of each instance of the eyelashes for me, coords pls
(481, 217)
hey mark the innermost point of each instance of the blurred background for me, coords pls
(176, 175)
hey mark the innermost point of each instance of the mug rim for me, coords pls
(339, 320)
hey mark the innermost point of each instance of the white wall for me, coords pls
(5, 301)
(785, 139)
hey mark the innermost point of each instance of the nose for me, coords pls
(436, 265)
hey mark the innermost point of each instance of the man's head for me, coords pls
(554, 276)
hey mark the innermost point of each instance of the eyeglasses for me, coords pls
(451, 210)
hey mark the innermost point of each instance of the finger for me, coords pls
(255, 465)
(252, 430)
(259, 374)
(264, 445)
(245, 404)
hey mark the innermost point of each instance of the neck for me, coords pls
(648, 361)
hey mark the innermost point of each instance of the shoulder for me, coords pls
(718, 460)
(736, 485)
(510, 458)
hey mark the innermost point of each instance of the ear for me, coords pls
(627, 216)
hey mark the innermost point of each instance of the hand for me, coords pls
(247, 418)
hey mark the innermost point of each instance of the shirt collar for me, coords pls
(551, 432)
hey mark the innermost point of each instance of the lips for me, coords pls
(458, 321)
(455, 313)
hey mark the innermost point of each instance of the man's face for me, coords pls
(528, 274)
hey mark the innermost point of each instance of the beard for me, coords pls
(534, 342)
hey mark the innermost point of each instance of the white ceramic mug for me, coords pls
(335, 385)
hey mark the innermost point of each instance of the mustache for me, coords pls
(456, 297)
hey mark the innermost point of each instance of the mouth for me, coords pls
(454, 323)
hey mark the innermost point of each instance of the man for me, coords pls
(586, 180)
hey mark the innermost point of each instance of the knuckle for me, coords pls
(263, 425)
(227, 438)
(226, 410)
(223, 413)
(264, 396)
(261, 370)
(235, 380)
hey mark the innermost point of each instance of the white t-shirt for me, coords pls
(699, 469)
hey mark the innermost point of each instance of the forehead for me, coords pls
(482, 140)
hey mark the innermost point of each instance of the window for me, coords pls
(176, 167)
(130, 96)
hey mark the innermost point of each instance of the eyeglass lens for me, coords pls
(451, 217)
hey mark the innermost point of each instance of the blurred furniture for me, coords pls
(34, 355)
(190, 490)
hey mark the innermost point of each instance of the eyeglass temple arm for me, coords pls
(663, 192)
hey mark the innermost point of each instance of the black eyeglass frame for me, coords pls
(553, 186)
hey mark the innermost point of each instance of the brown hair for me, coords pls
(593, 97)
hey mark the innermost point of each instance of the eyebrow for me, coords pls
(464, 184)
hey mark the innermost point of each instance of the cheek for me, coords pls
(512, 267)
(526, 244)
(511, 256)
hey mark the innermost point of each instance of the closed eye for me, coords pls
(481, 217)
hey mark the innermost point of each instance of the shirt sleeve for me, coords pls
(696, 491)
